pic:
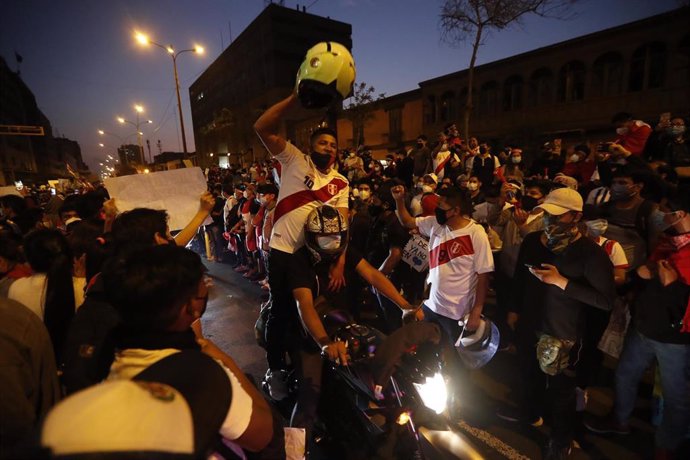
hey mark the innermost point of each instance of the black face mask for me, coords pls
(441, 216)
(321, 160)
(375, 210)
(528, 202)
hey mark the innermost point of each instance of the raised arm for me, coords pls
(268, 125)
(406, 220)
(206, 204)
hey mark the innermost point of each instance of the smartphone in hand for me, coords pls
(535, 267)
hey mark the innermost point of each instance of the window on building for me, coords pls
(395, 133)
(448, 106)
(571, 82)
(430, 109)
(512, 93)
(540, 87)
(488, 99)
(648, 67)
(607, 75)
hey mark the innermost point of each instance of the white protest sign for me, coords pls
(176, 191)
(416, 253)
(9, 190)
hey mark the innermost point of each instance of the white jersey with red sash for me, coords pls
(456, 258)
(303, 188)
(440, 162)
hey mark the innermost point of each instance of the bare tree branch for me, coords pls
(461, 20)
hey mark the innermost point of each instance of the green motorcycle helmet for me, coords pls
(327, 74)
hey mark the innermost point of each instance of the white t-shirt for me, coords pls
(303, 188)
(130, 362)
(31, 292)
(456, 257)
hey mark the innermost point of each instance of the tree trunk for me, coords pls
(470, 84)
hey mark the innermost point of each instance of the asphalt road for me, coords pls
(234, 307)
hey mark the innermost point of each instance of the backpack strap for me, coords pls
(642, 217)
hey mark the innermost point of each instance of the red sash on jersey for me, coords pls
(442, 165)
(449, 250)
(303, 197)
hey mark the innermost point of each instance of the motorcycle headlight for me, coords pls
(433, 393)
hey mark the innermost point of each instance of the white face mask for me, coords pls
(597, 227)
(427, 189)
(364, 194)
(328, 242)
(420, 185)
(472, 186)
(245, 194)
(574, 158)
(621, 131)
(263, 201)
(516, 160)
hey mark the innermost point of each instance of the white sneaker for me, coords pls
(277, 384)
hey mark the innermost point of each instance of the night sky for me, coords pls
(83, 65)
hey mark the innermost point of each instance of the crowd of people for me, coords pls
(586, 249)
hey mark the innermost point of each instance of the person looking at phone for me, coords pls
(559, 273)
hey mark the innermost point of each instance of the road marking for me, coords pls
(492, 441)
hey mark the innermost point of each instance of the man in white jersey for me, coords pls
(306, 183)
(460, 261)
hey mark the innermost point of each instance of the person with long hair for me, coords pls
(51, 292)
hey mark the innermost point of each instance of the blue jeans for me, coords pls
(674, 367)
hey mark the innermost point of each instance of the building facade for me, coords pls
(254, 72)
(28, 150)
(570, 90)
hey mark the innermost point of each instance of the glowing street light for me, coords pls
(138, 109)
(145, 40)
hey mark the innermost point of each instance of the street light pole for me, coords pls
(179, 100)
(138, 109)
(144, 40)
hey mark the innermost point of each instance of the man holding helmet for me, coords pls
(460, 262)
(307, 181)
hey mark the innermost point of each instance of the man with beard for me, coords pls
(558, 274)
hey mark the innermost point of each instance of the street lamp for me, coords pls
(138, 109)
(144, 40)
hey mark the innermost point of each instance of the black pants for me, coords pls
(544, 395)
(283, 313)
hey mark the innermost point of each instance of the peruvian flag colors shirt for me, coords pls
(456, 258)
(303, 188)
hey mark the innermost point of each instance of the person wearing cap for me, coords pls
(559, 273)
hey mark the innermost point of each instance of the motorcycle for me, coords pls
(391, 401)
